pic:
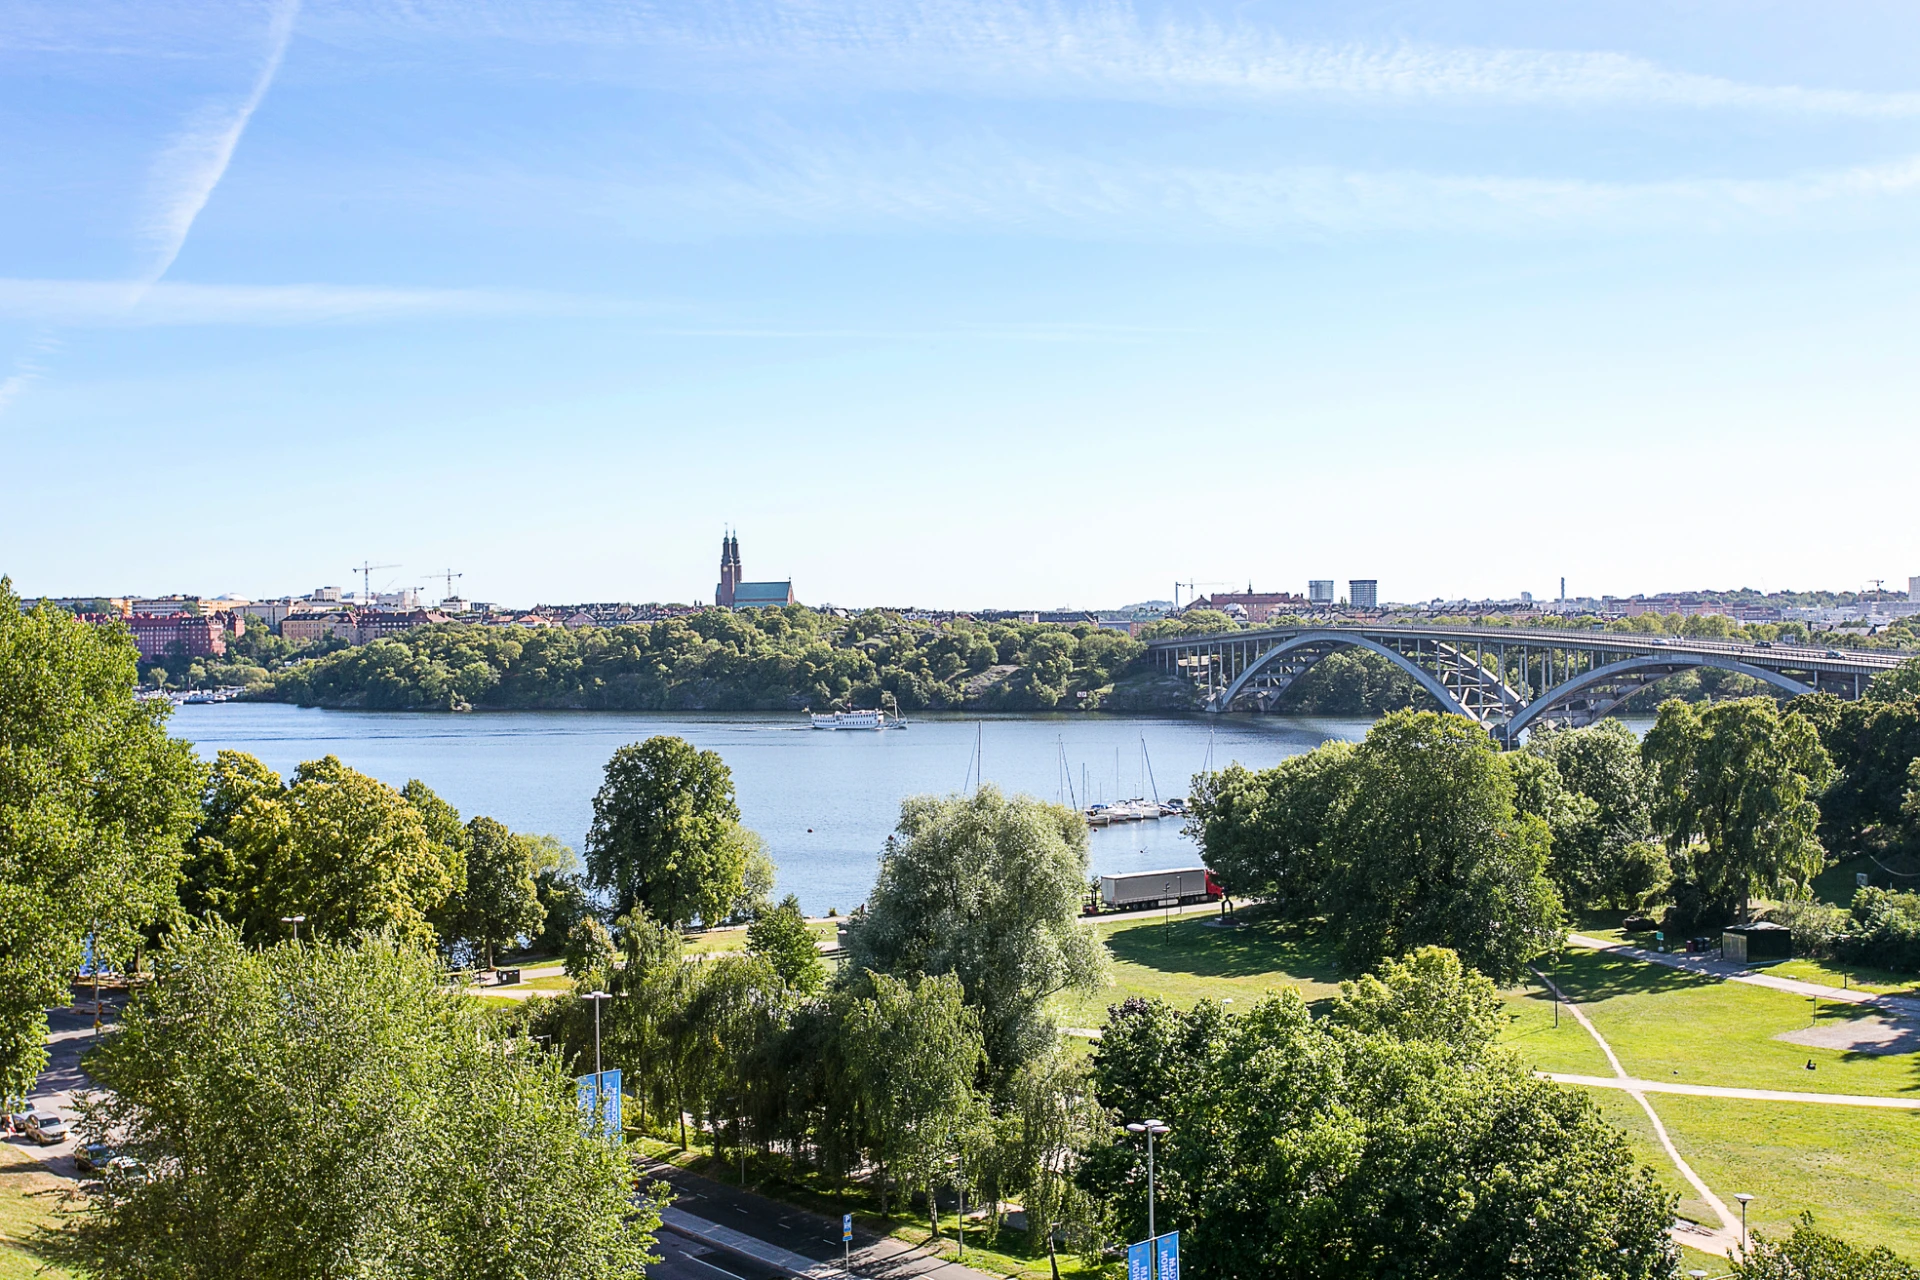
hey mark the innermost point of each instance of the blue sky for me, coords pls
(958, 303)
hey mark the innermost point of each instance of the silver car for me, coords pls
(46, 1130)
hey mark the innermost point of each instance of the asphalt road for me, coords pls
(794, 1230)
(70, 1035)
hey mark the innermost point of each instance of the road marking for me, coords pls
(722, 1270)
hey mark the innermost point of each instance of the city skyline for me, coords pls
(965, 302)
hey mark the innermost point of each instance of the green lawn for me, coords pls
(27, 1195)
(1545, 1047)
(1857, 1170)
(1184, 961)
(1860, 978)
(1668, 1024)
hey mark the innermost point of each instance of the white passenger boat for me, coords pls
(857, 720)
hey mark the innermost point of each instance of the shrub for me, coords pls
(1885, 930)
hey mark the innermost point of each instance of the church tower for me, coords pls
(729, 571)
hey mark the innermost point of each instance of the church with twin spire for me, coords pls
(732, 593)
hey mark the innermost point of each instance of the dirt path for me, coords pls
(1706, 1240)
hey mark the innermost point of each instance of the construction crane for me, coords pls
(449, 575)
(365, 570)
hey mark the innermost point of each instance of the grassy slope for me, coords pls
(1184, 961)
(1857, 1170)
(27, 1195)
(1666, 1024)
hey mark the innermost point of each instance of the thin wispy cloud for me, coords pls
(191, 165)
(986, 188)
(81, 303)
(1096, 49)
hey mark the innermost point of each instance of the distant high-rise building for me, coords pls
(1320, 591)
(1913, 590)
(1363, 593)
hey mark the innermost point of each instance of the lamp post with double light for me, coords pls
(1152, 1128)
(296, 922)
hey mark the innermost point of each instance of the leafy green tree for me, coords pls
(912, 1048)
(1605, 857)
(665, 833)
(988, 889)
(1302, 1148)
(1431, 851)
(331, 1109)
(1428, 996)
(1902, 684)
(344, 850)
(1266, 833)
(1739, 778)
(1808, 1254)
(589, 954)
(1872, 743)
(500, 900)
(96, 803)
(782, 938)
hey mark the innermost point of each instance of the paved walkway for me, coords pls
(1732, 971)
(1633, 1085)
(1703, 1238)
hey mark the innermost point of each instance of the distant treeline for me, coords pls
(752, 660)
(795, 657)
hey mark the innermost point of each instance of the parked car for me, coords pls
(46, 1130)
(14, 1123)
(93, 1158)
(125, 1169)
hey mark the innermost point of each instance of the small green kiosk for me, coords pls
(1761, 940)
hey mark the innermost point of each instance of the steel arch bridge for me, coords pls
(1508, 679)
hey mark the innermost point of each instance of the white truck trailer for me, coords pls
(1176, 887)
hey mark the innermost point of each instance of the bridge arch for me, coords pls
(1658, 666)
(1311, 639)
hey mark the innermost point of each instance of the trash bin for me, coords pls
(506, 977)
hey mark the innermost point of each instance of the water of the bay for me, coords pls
(823, 801)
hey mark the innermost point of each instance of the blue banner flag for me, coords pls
(598, 1098)
(1140, 1261)
(1168, 1249)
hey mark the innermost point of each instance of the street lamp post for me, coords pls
(1150, 1128)
(296, 922)
(599, 1110)
(1744, 1198)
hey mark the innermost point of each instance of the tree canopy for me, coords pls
(666, 833)
(96, 803)
(987, 888)
(336, 1109)
(342, 849)
(1356, 1147)
(1411, 838)
(721, 660)
(1735, 788)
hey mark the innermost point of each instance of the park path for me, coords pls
(1703, 1238)
(1633, 1085)
(1732, 971)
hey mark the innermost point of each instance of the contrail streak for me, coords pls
(186, 173)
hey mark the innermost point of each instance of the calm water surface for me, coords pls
(823, 801)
